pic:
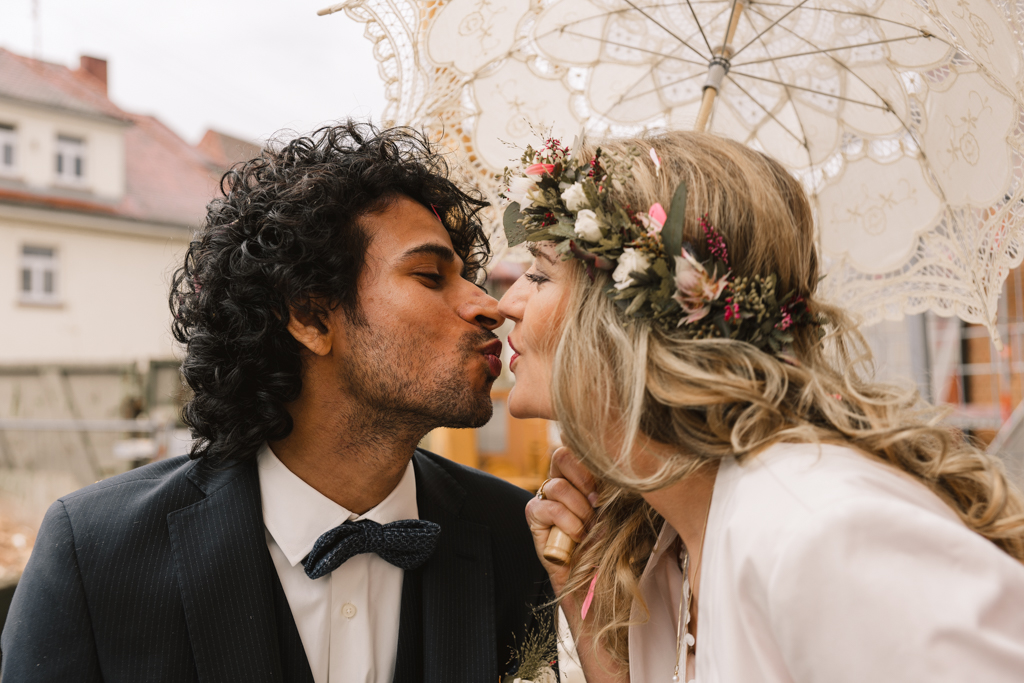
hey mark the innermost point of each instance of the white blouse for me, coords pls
(822, 565)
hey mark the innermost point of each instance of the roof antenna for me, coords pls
(37, 32)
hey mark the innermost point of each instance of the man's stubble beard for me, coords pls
(395, 401)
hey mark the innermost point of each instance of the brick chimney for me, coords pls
(95, 67)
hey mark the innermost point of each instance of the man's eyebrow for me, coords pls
(442, 252)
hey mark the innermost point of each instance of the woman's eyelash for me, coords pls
(536, 279)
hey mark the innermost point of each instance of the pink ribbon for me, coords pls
(589, 599)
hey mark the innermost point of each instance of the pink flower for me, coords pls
(695, 289)
(715, 242)
(657, 218)
(732, 311)
(786, 322)
(539, 169)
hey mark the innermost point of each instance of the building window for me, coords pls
(70, 160)
(8, 149)
(38, 275)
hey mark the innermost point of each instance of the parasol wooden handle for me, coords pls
(559, 546)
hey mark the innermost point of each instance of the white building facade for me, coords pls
(97, 207)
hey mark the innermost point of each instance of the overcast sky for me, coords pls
(245, 67)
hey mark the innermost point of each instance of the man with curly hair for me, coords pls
(330, 319)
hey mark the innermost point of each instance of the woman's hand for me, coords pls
(569, 498)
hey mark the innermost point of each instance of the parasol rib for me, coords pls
(870, 87)
(664, 28)
(657, 88)
(833, 49)
(811, 90)
(769, 28)
(796, 112)
(689, 4)
(848, 13)
(633, 47)
(769, 113)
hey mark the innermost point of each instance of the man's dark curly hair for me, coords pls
(286, 235)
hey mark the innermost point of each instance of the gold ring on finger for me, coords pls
(540, 491)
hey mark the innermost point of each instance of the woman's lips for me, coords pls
(515, 354)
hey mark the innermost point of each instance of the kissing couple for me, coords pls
(747, 504)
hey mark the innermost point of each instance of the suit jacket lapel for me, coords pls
(456, 589)
(225, 576)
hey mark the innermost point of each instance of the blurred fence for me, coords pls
(65, 426)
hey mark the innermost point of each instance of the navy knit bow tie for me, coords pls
(407, 544)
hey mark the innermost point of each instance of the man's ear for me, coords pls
(310, 332)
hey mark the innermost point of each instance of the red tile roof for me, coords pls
(54, 85)
(167, 180)
(226, 150)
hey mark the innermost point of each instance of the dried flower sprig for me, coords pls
(536, 659)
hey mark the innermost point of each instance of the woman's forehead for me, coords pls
(543, 250)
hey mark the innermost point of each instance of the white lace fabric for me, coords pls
(903, 118)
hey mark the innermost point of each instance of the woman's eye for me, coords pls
(537, 278)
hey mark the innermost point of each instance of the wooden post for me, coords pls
(458, 445)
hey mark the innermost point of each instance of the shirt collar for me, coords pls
(666, 538)
(296, 514)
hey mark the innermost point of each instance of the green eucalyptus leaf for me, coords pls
(514, 231)
(562, 230)
(637, 302)
(672, 232)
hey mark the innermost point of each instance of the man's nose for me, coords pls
(482, 309)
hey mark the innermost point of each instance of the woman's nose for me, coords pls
(511, 305)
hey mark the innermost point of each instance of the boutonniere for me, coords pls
(536, 660)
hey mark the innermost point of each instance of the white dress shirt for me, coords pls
(822, 565)
(347, 620)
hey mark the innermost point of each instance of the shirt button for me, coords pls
(348, 610)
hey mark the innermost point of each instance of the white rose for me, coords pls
(630, 261)
(520, 189)
(545, 675)
(574, 198)
(587, 227)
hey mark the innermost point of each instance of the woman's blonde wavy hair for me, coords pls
(620, 382)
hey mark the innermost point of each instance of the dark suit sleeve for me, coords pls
(48, 634)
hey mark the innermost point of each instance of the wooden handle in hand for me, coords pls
(559, 546)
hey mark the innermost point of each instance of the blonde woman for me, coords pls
(766, 511)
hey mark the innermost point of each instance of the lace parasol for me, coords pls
(904, 119)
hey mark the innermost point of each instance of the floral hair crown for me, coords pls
(558, 197)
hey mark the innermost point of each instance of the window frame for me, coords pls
(63, 150)
(8, 148)
(39, 264)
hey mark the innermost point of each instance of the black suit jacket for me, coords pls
(163, 574)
